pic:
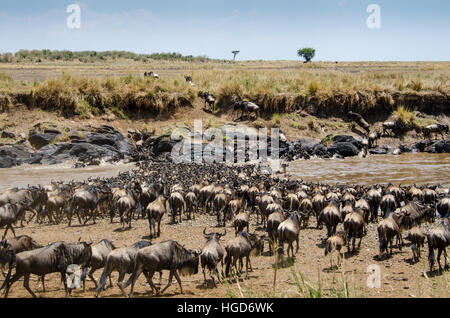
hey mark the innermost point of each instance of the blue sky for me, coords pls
(260, 29)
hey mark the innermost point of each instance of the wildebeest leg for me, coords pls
(26, 284)
(170, 282)
(159, 228)
(177, 277)
(41, 279)
(296, 240)
(63, 279)
(439, 258)
(14, 279)
(91, 276)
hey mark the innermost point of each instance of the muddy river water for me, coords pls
(405, 169)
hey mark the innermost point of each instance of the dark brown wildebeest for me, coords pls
(435, 129)
(243, 245)
(288, 231)
(392, 126)
(274, 220)
(331, 217)
(364, 206)
(354, 227)
(358, 119)
(220, 203)
(335, 243)
(246, 107)
(241, 221)
(417, 239)
(86, 202)
(177, 205)
(155, 212)
(319, 203)
(9, 213)
(374, 199)
(438, 238)
(33, 199)
(169, 256)
(100, 252)
(18, 244)
(373, 139)
(210, 99)
(121, 260)
(387, 229)
(212, 254)
(443, 207)
(53, 258)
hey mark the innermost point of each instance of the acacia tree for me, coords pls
(235, 53)
(307, 53)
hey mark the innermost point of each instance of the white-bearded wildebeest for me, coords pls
(387, 229)
(121, 260)
(100, 252)
(417, 239)
(127, 205)
(155, 212)
(243, 245)
(374, 199)
(273, 221)
(54, 258)
(319, 203)
(168, 255)
(354, 227)
(334, 244)
(209, 99)
(443, 207)
(191, 205)
(358, 119)
(18, 244)
(435, 129)
(331, 217)
(9, 213)
(241, 221)
(176, 206)
(220, 204)
(33, 199)
(87, 201)
(438, 238)
(212, 254)
(288, 231)
(246, 107)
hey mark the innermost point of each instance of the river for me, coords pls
(405, 169)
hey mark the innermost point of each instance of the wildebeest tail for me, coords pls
(430, 251)
(228, 262)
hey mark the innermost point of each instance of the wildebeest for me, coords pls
(209, 99)
(168, 255)
(42, 261)
(127, 205)
(357, 118)
(32, 199)
(177, 206)
(246, 107)
(220, 203)
(9, 214)
(86, 201)
(319, 203)
(288, 231)
(443, 207)
(354, 227)
(274, 220)
(374, 199)
(391, 126)
(438, 238)
(212, 254)
(387, 229)
(18, 244)
(121, 260)
(243, 245)
(191, 205)
(331, 217)
(151, 74)
(417, 239)
(189, 80)
(373, 139)
(100, 252)
(334, 244)
(155, 211)
(435, 129)
(241, 221)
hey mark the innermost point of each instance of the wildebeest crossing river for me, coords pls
(405, 169)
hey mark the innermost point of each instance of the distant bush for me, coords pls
(93, 56)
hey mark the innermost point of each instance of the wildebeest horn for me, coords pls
(204, 232)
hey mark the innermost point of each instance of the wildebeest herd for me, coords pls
(235, 195)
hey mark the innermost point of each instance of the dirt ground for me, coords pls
(399, 277)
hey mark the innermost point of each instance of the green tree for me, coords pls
(307, 53)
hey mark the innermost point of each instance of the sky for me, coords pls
(410, 30)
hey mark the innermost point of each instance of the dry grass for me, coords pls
(278, 86)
